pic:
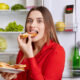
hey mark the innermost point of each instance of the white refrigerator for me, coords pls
(67, 39)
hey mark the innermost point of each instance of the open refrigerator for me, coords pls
(67, 39)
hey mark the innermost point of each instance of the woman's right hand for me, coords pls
(8, 76)
(26, 47)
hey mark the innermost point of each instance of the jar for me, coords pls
(30, 4)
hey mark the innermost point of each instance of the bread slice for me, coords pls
(25, 35)
(15, 66)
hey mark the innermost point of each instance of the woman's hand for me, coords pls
(8, 76)
(26, 47)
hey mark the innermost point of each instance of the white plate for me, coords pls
(10, 70)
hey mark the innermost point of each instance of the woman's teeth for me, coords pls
(33, 31)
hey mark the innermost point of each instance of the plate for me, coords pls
(10, 70)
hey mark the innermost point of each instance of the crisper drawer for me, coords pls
(70, 78)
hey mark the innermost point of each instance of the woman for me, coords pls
(43, 55)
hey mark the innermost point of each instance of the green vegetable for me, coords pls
(17, 7)
(3, 44)
(12, 26)
(2, 30)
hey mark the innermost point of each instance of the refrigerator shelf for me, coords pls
(8, 52)
(11, 32)
(21, 10)
(8, 12)
(67, 29)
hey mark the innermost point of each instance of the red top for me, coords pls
(48, 64)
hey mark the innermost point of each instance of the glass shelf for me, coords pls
(21, 11)
(9, 52)
(67, 29)
(11, 32)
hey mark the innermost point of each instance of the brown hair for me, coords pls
(48, 21)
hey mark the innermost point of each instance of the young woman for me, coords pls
(43, 55)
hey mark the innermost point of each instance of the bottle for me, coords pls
(76, 58)
(30, 4)
(79, 53)
(76, 61)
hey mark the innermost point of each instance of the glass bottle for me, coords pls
(76, 58)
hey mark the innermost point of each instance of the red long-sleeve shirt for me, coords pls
(48, 64)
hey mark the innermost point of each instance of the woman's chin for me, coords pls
(34, 39)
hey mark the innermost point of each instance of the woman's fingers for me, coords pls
(13, 76)
(21, 40)
(9, 76)
(29, 39)
(3, 74)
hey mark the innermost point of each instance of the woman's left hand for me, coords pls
(26, 47)
(8, 76)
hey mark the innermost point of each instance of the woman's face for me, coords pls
(35, 24)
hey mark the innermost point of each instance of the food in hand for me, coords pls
(16, 66)
(19, 66)
(4, 6)
(5, 65)
(25, 35)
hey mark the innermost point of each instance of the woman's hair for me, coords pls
(48, 22)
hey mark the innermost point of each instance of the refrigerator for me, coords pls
(67, 39)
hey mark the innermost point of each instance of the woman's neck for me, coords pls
(38, 45)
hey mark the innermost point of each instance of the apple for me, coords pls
(60, 26)
(4, 6)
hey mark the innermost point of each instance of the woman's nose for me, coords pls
(33, 24)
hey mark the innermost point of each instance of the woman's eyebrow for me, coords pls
(29, 18)
(36, 18)
(39, 18)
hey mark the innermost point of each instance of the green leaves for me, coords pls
(17, 7)
(2, 30)
(13, 27)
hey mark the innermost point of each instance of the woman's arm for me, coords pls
(54, 66)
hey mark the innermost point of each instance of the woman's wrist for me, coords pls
(29, 54)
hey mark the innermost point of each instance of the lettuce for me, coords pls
(12, 26)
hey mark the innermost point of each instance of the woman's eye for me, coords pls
(29, 21)
(39, 21)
